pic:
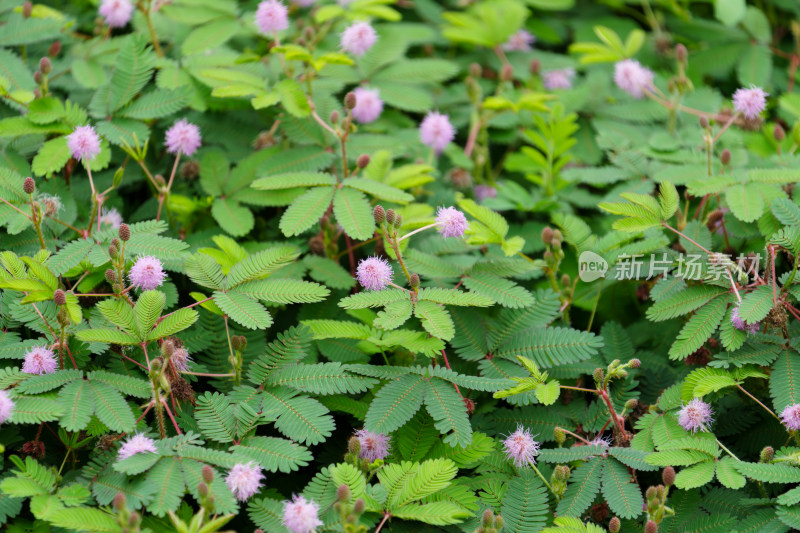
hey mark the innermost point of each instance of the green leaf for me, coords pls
(261, 264)
(147, 310)
(393, 315)
(435, 319)
(784, 386)
(454, 297)
(728, 475)
(448, 411)
(167, 479)
(623, 497)
(745, 201)
(525, 503)
(293, 98)
(756, 305)
(158, 103)
(111, 408)
(173, 323)
(210, 35)
(243, 310)
(78, 401)
(584, 485)
(769, 473)
(84, 519)
(283, 291)
(354, 213)
(396, 403)
(504, 292)
(233, 217)
(329, 272)
(366, 299)
(132, 70)
(291, 180)
(379, 190)
(695, 476)
(699, 328)
(683, 302)
(306, 211)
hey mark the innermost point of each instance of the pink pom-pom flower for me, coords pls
(374, 273)
(482, 192)
(137, 444)
(40, 360)
(301, 515)
(369, 105)
(111, 217)
(358, 38)
(244, 480)
(374, 446)
(521, 448)
(521, 41)
(183, 137)
(750, 102)
(695, 415)
(790, 416)
(632, 77)
(558, 79)
(180, 359)
(117, 13)
(83, 143)
(436, 131)
(741, 325)
(451, 222)
(6, 406)
(147, 273)
(272, 17)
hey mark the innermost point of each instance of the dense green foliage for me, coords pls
(527, 375)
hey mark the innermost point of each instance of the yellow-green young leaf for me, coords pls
(668, 199)
(293, 98)
(634, 42)
(52, 157)
(265, 100)
(73, 308)
(548, 393)
(611, 39)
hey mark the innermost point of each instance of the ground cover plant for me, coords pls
(399, 265)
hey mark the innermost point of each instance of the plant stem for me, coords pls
(759, 402)
(423, 228)
(727, 450)
(162, 197)
(385, 518)
(542, 478)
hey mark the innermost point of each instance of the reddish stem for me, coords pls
(385, 518)
(169, 412)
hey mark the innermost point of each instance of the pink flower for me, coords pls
(244, 480)
(451, 222)
(632, 77)
(111, 217)
(374, 273)
(436, 131)
(558, 79)
(184, 137)
(180, 359)
(695, 415)
(84, 143)
(791, 417)
(116, 12)
(374, 446)
(519, 42)
(300, 515)
(272, 17)
(741, 325)
(750, 102)
(521, 448)
(6, 406)
(40, 360)
(358, 38)
(604, 442)
(137, 444)
(147, 273)
(369, 105)
(482, 192)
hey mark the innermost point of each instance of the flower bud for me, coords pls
(548, 256)
(117, 288)
(498, 523)
(59, 298)
(134, 519)
(703, 122)
(343, 493)
(29, 185)
(391, 216)
(767, 454)
(208, 474)
(115, 242)
(650, 493)
(565, 280)
(507, 73)
(354, 445)
(651, 527)
(668, 476)
(119, 501)
(681, 53)
(660, 492)
(239, 342)
(156, 364)
(27, 9)
(124, 232)
(778, 133)
(488, 518)
(45, 66)
(475, 70)
(614, 525)
(557, 235)
(725, 156)
(561, 472)
(202, 489)
(631, 404)
(113, 251)
(414, 281)
(536, 66)
(547, 235)
(37, 77)
(54, 49)
(559, 436)
(363, 160)
(398, 221)
(598, 375)
(37, 92)
(350, 100)
(379, 213)
(359, 506)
